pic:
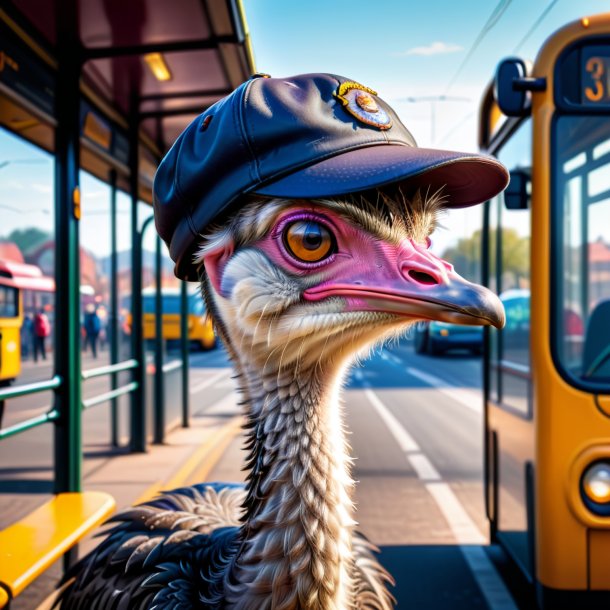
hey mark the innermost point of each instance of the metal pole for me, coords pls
(68, 396)
(185, 344)
(113, 321)
(159, 421)
(137, 440)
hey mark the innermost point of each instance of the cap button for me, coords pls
(261, 75)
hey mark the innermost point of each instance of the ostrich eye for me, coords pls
(308, 241)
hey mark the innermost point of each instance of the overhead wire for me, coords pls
(497, 13)
(536, 23)
(457, 126)
(493, 19)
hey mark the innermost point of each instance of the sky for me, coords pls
(400, 48)
(411, 49)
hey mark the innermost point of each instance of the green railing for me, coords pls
(25, 390)
(111, 369)
(54, 383)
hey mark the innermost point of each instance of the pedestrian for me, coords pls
(27, 336)
(93, 325)
(42, 329)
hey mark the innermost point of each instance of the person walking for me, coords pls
(42, 329)
(27, 336)
(93, 325)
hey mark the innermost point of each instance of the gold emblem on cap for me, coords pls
(366, 102)
(358, 100)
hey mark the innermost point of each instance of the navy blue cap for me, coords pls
(307, 136)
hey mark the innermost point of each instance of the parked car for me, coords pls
(438, 337)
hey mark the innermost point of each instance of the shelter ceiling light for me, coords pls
(157, 66)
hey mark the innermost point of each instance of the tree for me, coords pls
(29, 238)
(466, 257)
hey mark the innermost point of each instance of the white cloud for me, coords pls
(436, 48)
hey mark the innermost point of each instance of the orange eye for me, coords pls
(308, 241)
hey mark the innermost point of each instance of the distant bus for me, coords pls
(546, 251)
(200, 329)
(18, 280)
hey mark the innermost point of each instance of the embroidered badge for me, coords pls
(360, 102)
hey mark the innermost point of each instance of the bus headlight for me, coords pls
(596, 487)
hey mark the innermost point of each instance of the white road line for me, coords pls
(206, 383)
(423, 467)
(462, 526)
(403, 438)
(226, 384)
(490, 583)
(225, 405)
(469, 398)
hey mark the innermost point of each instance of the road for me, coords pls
(416, 435)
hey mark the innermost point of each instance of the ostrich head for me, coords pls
(305, 207)
(296, 284)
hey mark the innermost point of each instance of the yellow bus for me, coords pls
(22, 287)
(11, 320)
(200, 330)
(547, 374)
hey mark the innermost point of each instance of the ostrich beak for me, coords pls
(411, 281)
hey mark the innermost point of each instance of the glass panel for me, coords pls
(510, 253)
(95, 252)
(27, 258)
(124, 271)
(493, 285)
(583, 266)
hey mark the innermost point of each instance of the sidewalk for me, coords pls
(187, 457)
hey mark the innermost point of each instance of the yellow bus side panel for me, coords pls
(10, 344)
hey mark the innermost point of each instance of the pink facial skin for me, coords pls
(363, 268)
(370, 274)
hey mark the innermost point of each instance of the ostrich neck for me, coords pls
(297, 528)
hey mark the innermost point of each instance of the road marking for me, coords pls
(206, 383)
(490, 583)
(423, 467)
(205, 456)
(403, 438)
(225, 405)
(226, 384)
(223, 440)
(462, 526)
(469, 398)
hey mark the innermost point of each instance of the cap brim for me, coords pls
(467, 178)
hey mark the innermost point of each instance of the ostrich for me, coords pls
(298, 287)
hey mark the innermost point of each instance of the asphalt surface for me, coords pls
(416, 435)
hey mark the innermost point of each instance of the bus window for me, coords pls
(9, 303)
(510, 278)
(582, 272)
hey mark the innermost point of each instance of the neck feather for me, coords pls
(297, 528)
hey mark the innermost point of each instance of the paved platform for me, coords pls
(185, 458)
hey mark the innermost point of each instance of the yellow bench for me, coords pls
(30, 546)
